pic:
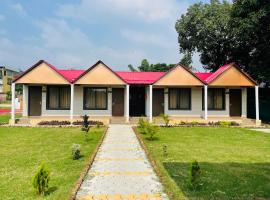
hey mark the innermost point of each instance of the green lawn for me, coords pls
(22, 150)
(4, 118)
(235, 162)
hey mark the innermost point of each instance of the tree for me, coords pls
(145, 66)
(204, 29)
(250, 25)
(224, 33)
(131, 68)
(187, 60)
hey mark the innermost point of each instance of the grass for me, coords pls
(235, 162)
(22, 150)
(4, 118)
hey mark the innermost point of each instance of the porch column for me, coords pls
(205, 103)
(127, 103)
(71, 101)
(150, 103)
(257, 102)
(13, 101)
(25, 100)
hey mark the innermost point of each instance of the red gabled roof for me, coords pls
(71, 74)
(140, 77)
(208, 77)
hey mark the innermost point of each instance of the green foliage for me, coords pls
(151, 130)
(222, 32)
(131, 68)
(41, 179)
(85, 127)
(195, 175)
(76, 151)
(250, 28)
(165, 151)
(187, 60)
(204, 29)
(141, 126)
(145, 66)
(194, 123)
(166, 119)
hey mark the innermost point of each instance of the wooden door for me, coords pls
(235, 102)
(158, 102)
(34, 100)
(118, 102)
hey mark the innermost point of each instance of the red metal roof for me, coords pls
(140, 77)
(208, 77)
(130, 77)
(71, 74)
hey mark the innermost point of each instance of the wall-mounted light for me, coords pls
(109, 90)
(227, 91)
(44, 88)
(166, 90)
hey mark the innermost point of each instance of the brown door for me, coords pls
(235, 102)
(34, 101)
(158, 102)
(118, 101)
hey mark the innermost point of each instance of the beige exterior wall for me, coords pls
(232, 77)
(42, 74)
(179, 77)
(100, 75)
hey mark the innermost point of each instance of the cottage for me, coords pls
(107, 95)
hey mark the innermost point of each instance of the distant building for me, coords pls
(6, 76)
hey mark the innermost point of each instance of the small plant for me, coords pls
(41, 179)
(76, 151)
(195, 175)
(194, 123)
(151, 130)
(165, 151)
(85, 127)
(166, 119)
(142, 126)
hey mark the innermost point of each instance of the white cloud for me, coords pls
(18, 8)
(147, 10)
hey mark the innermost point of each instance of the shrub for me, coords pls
(194, 123)
(85, 126)
(233, 123)
(165, 150)
(151, 129)
(41, 179)
(142, 126)
(195, 175)
(166, 119)
(76, 151)
(91, 122)
(54, 123)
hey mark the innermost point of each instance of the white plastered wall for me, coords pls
(78, 106)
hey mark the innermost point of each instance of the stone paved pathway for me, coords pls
(121, 170)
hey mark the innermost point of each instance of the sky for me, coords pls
(77, 33)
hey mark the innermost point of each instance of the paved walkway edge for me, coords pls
(149, 157)
(88, 166)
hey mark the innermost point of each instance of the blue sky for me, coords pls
(77, 33)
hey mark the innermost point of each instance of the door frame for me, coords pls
(237, 89)
(123, 105)
(163, 97)
(28, 110)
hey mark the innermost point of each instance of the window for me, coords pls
(58, 98)
(179, 98)
(95, 99)
(216, 99)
